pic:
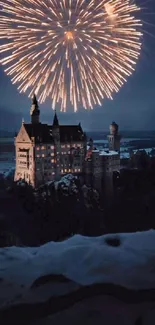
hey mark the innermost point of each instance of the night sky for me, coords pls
(133, 108)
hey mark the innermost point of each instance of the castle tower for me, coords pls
(114, 137)
(34, 112)
(56, 137)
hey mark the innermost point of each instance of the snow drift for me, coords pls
(36, 274)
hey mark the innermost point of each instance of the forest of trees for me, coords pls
(29, 217)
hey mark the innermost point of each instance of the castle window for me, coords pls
(43, 155)
(38, 148)
(53, 173)
(79, 170)
(52, 147)
(65, 170)
(75, 170)
(52, 154)
(62, 171)
(62, 146)
(69, 152)
(68, 146)
(52, 160)
(42, 147)
(69, 170)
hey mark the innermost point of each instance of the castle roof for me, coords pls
(40, 132)
(109, 153)
(55, 120)
(71, 133)
(43, 133)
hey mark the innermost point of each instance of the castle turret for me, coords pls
(56, 131)
(34, 112)
(114, 137)
(56, 137)
(55, 120)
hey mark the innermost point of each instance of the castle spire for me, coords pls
(55, 120)
(34, 101)
(34, 112)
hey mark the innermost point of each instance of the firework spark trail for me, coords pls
(77, 51)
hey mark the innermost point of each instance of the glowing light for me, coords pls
(69, 35)
(109, 9)
(73, 51)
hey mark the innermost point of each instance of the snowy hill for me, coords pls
(55, 276)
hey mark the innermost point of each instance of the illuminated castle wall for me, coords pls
(47, 152)
(101, 164)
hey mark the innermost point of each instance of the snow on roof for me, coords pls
(108, 153)
(124, 155)
(82, 260)
(96, 150)
(148, 150)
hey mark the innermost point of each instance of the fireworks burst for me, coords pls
(77, 51)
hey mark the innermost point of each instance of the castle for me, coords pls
(47, 152)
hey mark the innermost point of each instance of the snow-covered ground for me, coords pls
(82, 260)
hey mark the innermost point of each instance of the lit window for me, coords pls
(43, 155)
(57, 165)
(68, 146)
(38, 156)
(52, 154)
(42, 147)
(52, 160)
(75, 170)
(53, 173)
(68, 152)
(79, 170)
(65, 170)
(69, 170)
(52, 147)
(64, 153)
(62, 146)
(57, 153)
(62, 170)
(38, 148)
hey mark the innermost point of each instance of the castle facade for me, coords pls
(48, 152)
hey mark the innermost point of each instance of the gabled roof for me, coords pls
(41, 132)
(71, 133)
